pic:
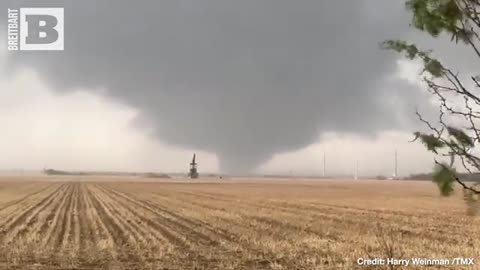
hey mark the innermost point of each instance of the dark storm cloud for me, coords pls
(243, 79)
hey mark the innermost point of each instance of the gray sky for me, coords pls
(262, 86)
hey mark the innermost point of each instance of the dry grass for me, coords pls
(233, 225)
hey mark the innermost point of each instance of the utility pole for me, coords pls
(324, 163)
(356, 169)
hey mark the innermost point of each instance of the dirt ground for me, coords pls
(108, 223)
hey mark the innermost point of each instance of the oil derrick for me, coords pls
(193, 168)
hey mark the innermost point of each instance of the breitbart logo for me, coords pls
(35, 29)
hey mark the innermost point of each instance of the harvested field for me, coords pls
(229, 225)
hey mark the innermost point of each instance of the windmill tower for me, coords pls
(193, 168)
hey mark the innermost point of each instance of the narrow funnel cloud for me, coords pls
(242, 79)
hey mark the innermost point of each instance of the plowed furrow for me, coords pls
(183, 243)
(247, 213)
(75, 220)
(338, 217)
(148, 224)
(33, 224)
(48, 221)
(172, 220)
(212, 202)
(232, 202)
(121, 237)
(200, 241)
(226, 224)
(300, 209)
(66, 238)
(54, 230)
(302, 212)
(200, 207)
(97, 228)
(150, 244)
(346, 217)
(25, 198)
(225, 241)
(84, 223)
(64, 219)
(120, 217)
(17, 224)
(135, 220)
(399, 216)
(250, 233)
(25, 206)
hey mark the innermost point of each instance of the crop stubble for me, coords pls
(254, 225)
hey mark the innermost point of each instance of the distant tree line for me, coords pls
(148, 175)
(57, 172)
(467, 177)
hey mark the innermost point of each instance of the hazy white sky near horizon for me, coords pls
(81, 130)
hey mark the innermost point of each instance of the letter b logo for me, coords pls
(41, 29)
